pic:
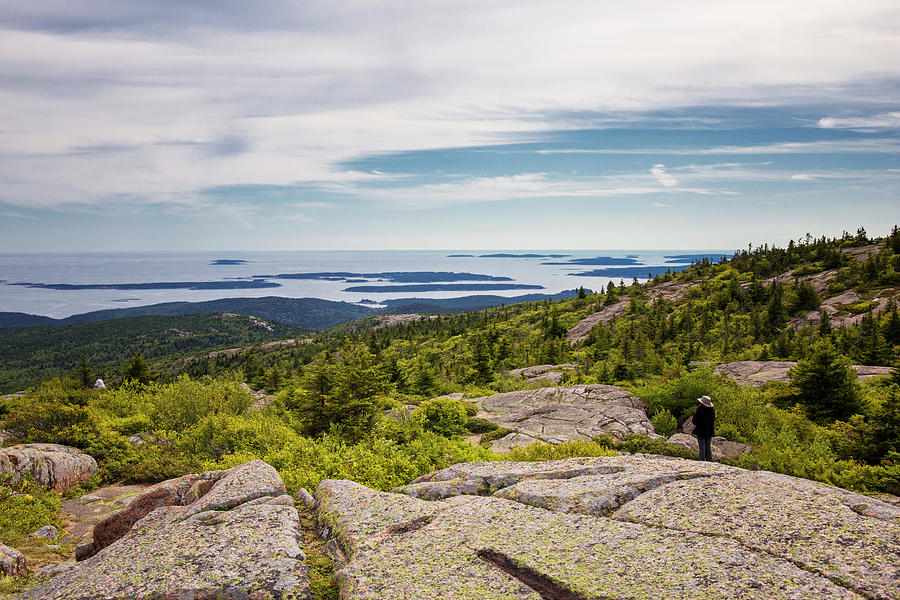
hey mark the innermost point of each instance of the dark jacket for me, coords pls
(704, 421)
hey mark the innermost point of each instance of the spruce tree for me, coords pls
(137, 370)
(85, 376)
(825, 384)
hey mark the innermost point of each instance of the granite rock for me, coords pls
(758, 372)
(47, 531)
(222, 534)
(630, 526)
(53, 466)
(560, 414)
(12, 562)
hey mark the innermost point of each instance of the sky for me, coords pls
(451, 124)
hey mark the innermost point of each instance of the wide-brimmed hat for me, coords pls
(705, 401)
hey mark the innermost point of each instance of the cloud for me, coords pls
(510, 187)
(659, 204)
(888, 120)
(801, 177)
(659, 173)
(152, 102)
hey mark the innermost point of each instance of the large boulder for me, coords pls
(53, 466)
(630, 526)
(560, 414)
(543, 373)
(757, 372)
(221, 534)
(12, 562)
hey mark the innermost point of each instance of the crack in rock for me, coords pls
(543, 585)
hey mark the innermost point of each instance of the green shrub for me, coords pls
(664, 423)
(471, 408)
(25, 507)
(496, 434)
(541, 451)
(478, 425)
(861, 306)
(445, 416)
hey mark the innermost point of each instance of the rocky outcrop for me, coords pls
(582, 329)
(220, 534)
(560, 414)
(758, 372)
(669, 290)
(48, 532)
(540, 373)
(12, 562)
(53, 466)
(611, 527)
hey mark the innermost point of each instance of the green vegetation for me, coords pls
(363, 404)
(29, 355)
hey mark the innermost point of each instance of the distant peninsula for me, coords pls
(680, 258)
(162, 285)
(641, 272)
(392, 276)
(442, 287)
(228, 261)
(506, 255)
(598, 260)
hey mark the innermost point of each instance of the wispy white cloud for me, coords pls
(514, 187)
(659, 173)
(888, 120)
(659, 205)
(802, 177)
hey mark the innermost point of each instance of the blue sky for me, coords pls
(458, 125)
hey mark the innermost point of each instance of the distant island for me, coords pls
(162, 285)
(641, 272)
(599, 260)
(679, 258)
(228, 261)
(442, 287)
(392, 276)
(506, 255)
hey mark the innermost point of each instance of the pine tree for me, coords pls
(137, 370)
(85, 376)
(825, 324)
(825, 384)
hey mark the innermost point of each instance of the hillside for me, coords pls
(309, 313)
(803, 393)
(29, 355)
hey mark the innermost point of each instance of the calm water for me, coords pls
(106, 268)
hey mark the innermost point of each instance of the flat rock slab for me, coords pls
(588, 528)
(236, 538)
(561, 414)
(758, 372)
(83, 512)
(538, 373)
(53, 466)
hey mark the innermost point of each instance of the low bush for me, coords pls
(478, 425)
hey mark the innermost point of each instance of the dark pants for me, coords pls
(705, 449)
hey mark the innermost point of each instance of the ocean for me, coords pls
(60, 285)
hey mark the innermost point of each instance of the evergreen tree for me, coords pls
(84, 374)
(825, 384)
(776, 315)
(824, 324)
(344, 395)
(482, 370)
(137, 370)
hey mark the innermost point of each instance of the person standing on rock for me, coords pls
(704, 426)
